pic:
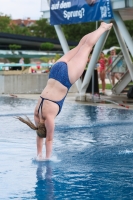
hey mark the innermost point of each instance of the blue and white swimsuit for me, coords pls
(59, 72)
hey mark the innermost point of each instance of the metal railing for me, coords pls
(118, 66)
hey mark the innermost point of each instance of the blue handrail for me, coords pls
(24, 65)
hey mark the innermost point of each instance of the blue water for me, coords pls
(92, 154)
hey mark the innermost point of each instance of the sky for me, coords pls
(22, 9)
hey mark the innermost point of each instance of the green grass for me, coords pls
(108, 86)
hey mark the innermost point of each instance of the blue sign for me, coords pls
(78, 11)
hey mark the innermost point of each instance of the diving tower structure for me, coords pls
(122, 11)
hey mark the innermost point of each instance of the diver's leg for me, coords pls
(49, 123)
(93, 36)
(78, 62)
(39, 142)
(72, 52)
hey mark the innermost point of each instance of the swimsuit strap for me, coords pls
(41, 104)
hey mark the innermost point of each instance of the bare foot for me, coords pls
(106, 26)
(41, 158)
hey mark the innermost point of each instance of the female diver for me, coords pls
(65, 72)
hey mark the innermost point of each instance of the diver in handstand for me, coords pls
(65, 72)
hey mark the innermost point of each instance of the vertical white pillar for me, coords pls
(62, 38)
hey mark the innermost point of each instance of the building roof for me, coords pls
(23, 22)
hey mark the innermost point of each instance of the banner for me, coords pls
(78, 11)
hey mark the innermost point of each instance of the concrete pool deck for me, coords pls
(108, 100)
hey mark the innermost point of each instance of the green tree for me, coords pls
(47, 46)
(14, 47)
(7, 26)
(129, 25)
(15, 29)
(46, 59)
(43, 29)
(74, 32)
(111, 40)
(4, 23)
(57, 56)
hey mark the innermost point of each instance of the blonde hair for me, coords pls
(40, 129)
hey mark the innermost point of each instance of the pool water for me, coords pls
(92, 154)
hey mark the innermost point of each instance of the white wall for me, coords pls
(25, 84)
(1, 84)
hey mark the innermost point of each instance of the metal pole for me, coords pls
(96, 24)
(93, 77)
(125, 34)
(93, 85)
(124, 50)
(62, 38)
